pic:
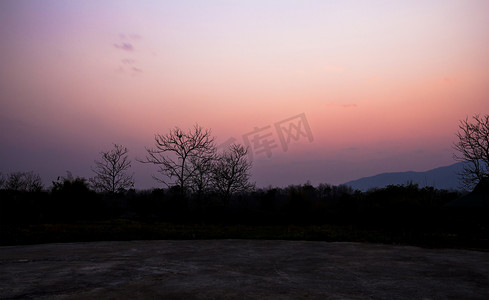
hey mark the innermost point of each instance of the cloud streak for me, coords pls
(132, 36)
(128, 62)
(125, 46)
(345, 106)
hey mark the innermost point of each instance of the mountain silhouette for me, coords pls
(441, 178)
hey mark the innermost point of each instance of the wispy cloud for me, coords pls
(125, 46)
(128, 61)
(345, 106)
(131, 36)
(134, 36)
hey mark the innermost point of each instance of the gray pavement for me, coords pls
(240, 269)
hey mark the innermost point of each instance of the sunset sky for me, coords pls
(381, 84)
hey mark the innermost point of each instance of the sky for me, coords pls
(354, 88)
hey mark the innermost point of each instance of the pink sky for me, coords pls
(382, 84)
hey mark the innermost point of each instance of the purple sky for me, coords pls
(382, 84)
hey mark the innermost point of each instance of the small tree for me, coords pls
(2, 180)
(70, 185)
(23, 181)
(15, 181)
(111, 172)
(473, 148)
(231, 172)
(177, 154)
(73, 199)
(33, 182)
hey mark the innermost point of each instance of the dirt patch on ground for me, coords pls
(240, 269)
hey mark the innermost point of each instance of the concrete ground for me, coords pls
(240, 269)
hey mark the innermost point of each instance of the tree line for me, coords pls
(71, 200)
(201, 182)
(188, 161)
(71, 211)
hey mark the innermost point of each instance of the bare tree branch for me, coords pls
(231, 173)
(473, 148)
(2, 180)
(110, 172)
(179, 155)
(23, 181)
(201, 181)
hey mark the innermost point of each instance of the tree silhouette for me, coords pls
(72, 200)
(178, 154)
(70, 185)
(231, 172)
(23, 181)
(473, 148)
(201, 180)
(2, 180)
(111, 172)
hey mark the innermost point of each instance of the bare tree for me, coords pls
(2, 180)
(15, 181)
(33, 182)
(231, 173)
(70, 184)
(473, 148)
(111, 172)
(177, 154)
(24, 181)
(201, 181)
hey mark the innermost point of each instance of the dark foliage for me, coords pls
(21, 181)
(396, 213)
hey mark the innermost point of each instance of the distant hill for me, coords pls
(440, 178)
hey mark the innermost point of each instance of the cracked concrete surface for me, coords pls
(240, 269)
